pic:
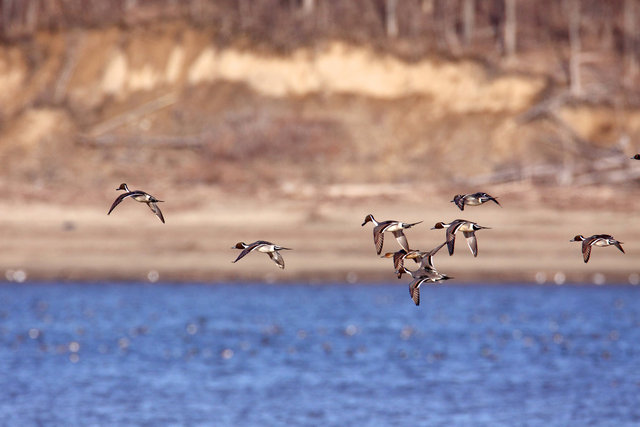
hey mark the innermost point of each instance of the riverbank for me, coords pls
(528, 242)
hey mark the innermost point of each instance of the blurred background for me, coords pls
(290, 120)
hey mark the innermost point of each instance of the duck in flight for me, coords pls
(431, 276)
(474, 199)
(468, 228)
(138, 196)
(264, 247)
(423, 275)
(426, 273)
(395, 227)
(425, 258)
(595, 240)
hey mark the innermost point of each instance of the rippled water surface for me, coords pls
(243, 354)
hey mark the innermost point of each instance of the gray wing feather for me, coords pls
(277, 258)
(586, 250)
(156, 210)
(402, 239)
(451, 238)
(472, 242)
(414, 291)
(119, 199)
(245, 251)
(378, 238)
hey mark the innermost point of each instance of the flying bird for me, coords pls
(427, 277)
(468, 228)
(595, 240)
(474, 199)
(395, 227)
(425, 274)
(425, 258)
(264, 247)
(138, 196)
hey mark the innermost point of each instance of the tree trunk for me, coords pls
(427, 6)
(391, 18)
(510, 26)
(445, 17)
(630, 40)
(575, 46)
(308, 6)
(468, 20)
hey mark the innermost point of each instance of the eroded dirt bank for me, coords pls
(297, 148)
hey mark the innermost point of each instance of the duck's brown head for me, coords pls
(369, 218)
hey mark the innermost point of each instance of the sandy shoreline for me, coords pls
(528, 242)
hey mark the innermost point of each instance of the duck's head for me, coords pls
(123, 186)
(368, 218)
(578, 238)
(439, 225)
(239, 245)
(636, 157)
(392, 254)
(457, 197)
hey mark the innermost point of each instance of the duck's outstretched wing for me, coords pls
(618, 245)
(119, 199)
(414, 291)
(398, 261)
(586, 250)
(459, 201)
(427, 260)
(378, 238)
(156, 210)
(451, 238)
(472, 241)
(245, 251)
(277, 258)
(402, 239)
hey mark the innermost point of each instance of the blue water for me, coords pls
(263, 355)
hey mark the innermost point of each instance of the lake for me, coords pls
(265, 355)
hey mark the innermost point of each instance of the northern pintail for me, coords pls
(595, 240)
(468, 228)
(399, 257)
(428, 276)
(395, 227)
(425, 258)
(264, 247)
(138, 196)
(474, 199)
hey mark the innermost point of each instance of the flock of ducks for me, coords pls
(426, 272)
(144, 197)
